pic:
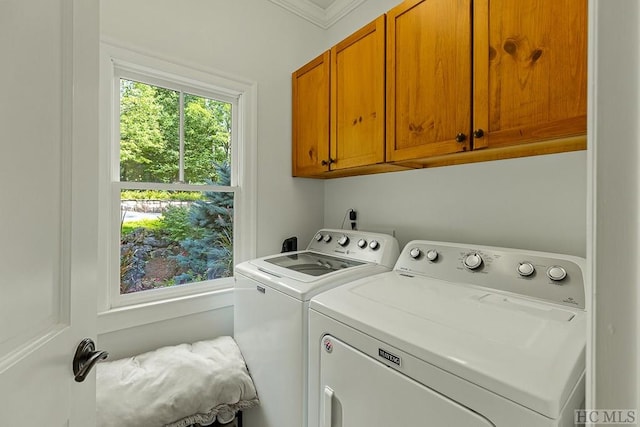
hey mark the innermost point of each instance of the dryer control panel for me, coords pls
(360, 245)
(550, 277)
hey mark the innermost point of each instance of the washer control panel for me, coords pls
(356, 244)
(551, 277)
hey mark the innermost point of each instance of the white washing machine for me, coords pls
(271, 314)
(456, 335)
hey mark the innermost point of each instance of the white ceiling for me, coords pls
(323, 3)
(323, 13)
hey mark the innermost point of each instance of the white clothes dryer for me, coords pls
(271, 314)
(456, 335)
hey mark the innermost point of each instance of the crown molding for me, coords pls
(323, 18)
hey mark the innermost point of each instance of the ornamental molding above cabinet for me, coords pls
(323, 13)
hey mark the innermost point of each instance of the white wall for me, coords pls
(254, 40)
(533, 203)
(186, 329)
(616, 212)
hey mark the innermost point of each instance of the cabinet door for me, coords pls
(530, 68)
(357, 98)
(428, 78)
(310, 117)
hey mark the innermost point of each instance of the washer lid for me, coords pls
(529, 352)
(303, 274)
(311, 263)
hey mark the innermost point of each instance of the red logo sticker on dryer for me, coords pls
(328, 345)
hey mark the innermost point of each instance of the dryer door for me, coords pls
(359, 391)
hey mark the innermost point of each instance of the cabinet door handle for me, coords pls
(461, 137)
(478, 133)
(327, 163)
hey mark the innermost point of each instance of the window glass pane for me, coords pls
(171, 238)
(207, 138)
(149, 133)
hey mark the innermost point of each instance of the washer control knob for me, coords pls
(432, 255)
(415, 253)
(343, 240)
(526, 269)
(473, 261)
(362, 243)
(327, 238)
(374, 245)
(318, 237)
(556, 273)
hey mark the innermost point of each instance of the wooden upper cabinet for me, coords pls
(530, 70)
(357, 98)
(310, 119)
(428, 78)
(446, 82)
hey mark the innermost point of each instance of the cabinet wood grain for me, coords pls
(357, 98)
(530, 69)
(444, 82)
(428, 78)
(310, 121)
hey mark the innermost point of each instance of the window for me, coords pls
(180, 187)
(171, 139)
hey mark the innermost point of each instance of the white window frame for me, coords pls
(161, 304)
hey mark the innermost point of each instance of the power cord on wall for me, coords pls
(352, 217)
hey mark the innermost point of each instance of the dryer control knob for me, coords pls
(327, 238)
(415, 253)
(374, 245)
(526, 269)
(318, 237)
(362, 243)
(473, 261)
(343, 240)
(432, 255)
(556, 273)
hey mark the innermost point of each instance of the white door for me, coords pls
(48, 208)
(359, 391)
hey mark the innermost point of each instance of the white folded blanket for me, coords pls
(175, 386)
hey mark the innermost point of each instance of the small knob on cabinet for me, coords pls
(415, 253)
(473, 261)
(526, 269)
(461, 137)
(556, 273)
(432, 255)
(343, 240)
(478, 133)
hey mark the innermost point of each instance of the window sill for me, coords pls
(141, 314)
